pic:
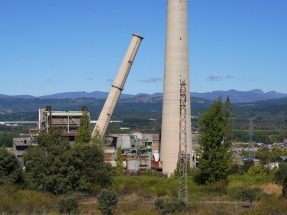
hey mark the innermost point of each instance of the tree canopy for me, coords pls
(215, 128)
(108, 200)
(10, 168)
(57, 167)
(280, 178)
(84, 133)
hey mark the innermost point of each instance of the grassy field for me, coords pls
(137, 195)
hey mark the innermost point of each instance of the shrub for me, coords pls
(236, 169)
(171, 206)
(270, 206)
(247, 164)
(108, 200)
(218, 187)
(280, 178)
(69, 205)
(256, 170)
(247, 194)
(284, 188)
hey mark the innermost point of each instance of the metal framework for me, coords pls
(183, 157)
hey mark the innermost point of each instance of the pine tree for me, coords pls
(215, 140)
(84, 133)
(228, 129)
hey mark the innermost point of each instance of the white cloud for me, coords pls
(214, 78)
(151, 80)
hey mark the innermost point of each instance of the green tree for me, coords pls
(55, 166)
(91, 171)
(247, 194)
(120, 166)
(84, 133)
(280, 178)
(256, 170)
(10, 168)
(107, 201)
(281, 174)
(228, 129)
(46, 167)
(247, 165)
(263, 155)
(215, 140)
(228, 123)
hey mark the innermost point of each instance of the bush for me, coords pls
(236, 169)
(153, 173)
(171, 206)
(218, 187)
(284, 188)
(247, 164)
(280, 178)
(256, 170)
(272, 205)
(69, 205)
(247, 195)
(57, 167)
(281, 174)
(108, 200)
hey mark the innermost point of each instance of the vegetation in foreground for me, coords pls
(74, 179)
(138, 194)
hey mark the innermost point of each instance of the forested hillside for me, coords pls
(268, 114)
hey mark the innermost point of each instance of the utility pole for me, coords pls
(183, 157)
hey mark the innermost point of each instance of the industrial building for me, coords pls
(20, 144)
(139, 151)
(67, 121)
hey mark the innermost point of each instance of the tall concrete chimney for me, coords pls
(117, 87)
(176, 69)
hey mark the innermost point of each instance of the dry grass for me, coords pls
(271, 189)
(89, 201)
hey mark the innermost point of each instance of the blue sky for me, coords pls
(52, 46)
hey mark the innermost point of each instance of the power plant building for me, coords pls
(67, 121)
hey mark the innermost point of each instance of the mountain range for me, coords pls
(234, 95)
(268, 109)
